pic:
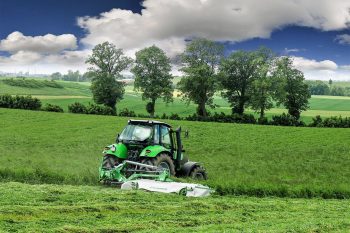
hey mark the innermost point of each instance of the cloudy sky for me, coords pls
(44, 36)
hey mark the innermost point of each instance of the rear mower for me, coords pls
(147, 153)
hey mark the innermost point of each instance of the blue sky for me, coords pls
(44, 36)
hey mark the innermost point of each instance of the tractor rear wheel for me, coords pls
(199, 173)
(162, 161)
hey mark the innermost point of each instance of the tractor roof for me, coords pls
(148, 122)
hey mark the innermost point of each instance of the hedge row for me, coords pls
(19, 102)
(30, 103)
(31, 83)
(91, 109)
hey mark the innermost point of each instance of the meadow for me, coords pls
(64, 208)
(63, 148)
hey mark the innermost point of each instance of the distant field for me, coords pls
(255, 160)
(63, 208)
(325, 106)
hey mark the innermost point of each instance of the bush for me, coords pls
(222, 117)
(286, 120)
(174, 116)
(331, 122)
(99, 110)
(77, 108)
(127, 113)
(52, 108)
(20, 102)
(6, 101)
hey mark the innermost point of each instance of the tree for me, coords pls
(200, 61)
(237, 74)
(73, 76)
(318, 87)
(152, 76)
(295, 93)
(107, 64)
(261, 91)
(56, 76)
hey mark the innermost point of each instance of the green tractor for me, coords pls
(147, 149)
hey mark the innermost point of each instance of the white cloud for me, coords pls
(309, 64)
(45, 64)
(16, 42)
(343, 39)
(322, 70)
(224, 20)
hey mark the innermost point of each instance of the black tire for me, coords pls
(199, 173)
(110, 161)
(161, 160)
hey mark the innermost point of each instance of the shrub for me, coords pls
(286, 120)
(20, 102)
(77, 108)
(6, 101)
(127, 113)
(99, 110)
(52, 108)
(164, 116)
(331, 122)
(174, 116)
(316, 122)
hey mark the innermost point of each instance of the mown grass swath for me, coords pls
(41, 147)
(64, 208)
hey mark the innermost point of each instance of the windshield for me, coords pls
(136, 133)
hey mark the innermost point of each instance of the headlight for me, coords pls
(113, 148)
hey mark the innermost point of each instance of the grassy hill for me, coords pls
(63, 208)
(71, 92)
(254, 160)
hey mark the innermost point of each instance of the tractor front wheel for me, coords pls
(162, 161)
(198, 173)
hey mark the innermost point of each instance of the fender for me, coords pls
(153, 151)
(118, 150)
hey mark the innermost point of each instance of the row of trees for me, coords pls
(74, 76)
(321, 88)
(255, 79)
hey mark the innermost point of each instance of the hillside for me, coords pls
(39, 147)
(71, 92)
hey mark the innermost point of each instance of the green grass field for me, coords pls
(63, 208)
(255, 160)
(325, 106)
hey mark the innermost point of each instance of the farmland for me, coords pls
(64, 208)
(257, 171)
(325, 106)
(41, 147)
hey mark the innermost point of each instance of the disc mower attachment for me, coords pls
(185, 189)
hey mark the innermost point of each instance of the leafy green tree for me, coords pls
(107, 64)
(73, 76)
(295, 93)
(152, 76)
(200, 61)
(261, 95)
(56, 76)
(237, 75)
(318, 87)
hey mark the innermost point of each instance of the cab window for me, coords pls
(165, 136)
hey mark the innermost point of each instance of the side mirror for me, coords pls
(117, 138)
(186, 134)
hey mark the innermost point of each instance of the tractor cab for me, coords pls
(152, 143)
